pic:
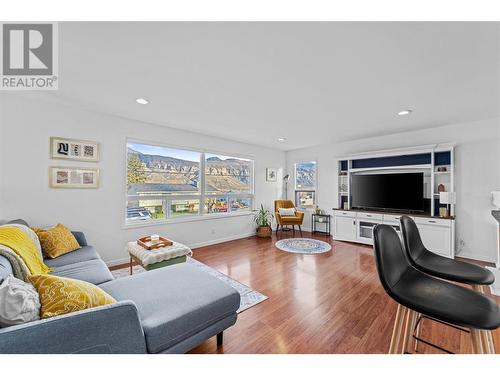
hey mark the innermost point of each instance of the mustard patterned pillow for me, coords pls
(56, 241)
(61, 295)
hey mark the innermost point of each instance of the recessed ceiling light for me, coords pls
(281, 139)
(405, 112)
(142, 101)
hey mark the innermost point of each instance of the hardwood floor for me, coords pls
(325, 303)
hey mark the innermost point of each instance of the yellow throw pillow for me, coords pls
(56, 241)
(60, 295)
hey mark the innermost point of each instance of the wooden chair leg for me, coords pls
(477, 347)
(277, 228)
(293, 229)
(485, 336)
(300, 229)
(409, 321)
(131, 265)
(491, 342)
(396, 331)
(485, 339)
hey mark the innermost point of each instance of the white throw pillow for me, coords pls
(20, 302)
(286, 211)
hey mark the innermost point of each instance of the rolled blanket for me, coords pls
(22, 250)
(19, 269)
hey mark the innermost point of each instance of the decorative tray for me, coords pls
(146, 243)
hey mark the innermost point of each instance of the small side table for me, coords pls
(321, 219)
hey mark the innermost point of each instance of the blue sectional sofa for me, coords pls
(168, 310)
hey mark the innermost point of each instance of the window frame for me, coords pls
(301, 189)
(201, 195)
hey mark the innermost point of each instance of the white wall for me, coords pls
(26, 126)
(477, 166)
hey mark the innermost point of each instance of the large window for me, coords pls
(166, 183)
(305, 184)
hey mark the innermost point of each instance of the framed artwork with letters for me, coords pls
(74, 149)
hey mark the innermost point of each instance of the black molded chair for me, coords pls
(437, 265)
(445, 268)
(419, 293)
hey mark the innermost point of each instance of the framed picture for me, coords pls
(271, 174)
(305, 199)
(73, 178)
(74, 149)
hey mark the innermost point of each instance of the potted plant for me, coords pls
(263, 220)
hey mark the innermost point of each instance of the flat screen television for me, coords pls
(402, 192)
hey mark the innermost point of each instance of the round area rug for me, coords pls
(303, 246)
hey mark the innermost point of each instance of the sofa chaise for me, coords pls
(167, 310)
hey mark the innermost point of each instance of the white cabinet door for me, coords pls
(436, 239)
(345, 228)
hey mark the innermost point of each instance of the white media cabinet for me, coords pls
(357, 226)
(438, 234)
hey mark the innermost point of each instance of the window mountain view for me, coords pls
(156, 175)
(305, 175)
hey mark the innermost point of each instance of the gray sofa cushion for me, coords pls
(175, 302)
(80, 237)
(94, 271)
(18, 221)
(81, 255)
(5, 268)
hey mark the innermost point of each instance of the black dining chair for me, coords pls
(444, 268)
(419, 293)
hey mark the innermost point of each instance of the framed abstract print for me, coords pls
(73, 178)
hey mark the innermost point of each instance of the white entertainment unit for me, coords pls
(436, 162)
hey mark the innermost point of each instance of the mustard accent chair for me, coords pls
(297, 219)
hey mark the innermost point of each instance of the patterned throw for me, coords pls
(61, 295)
(24, 247)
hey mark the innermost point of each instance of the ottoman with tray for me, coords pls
(157, 257)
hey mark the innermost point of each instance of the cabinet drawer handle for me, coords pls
(432, 221)
(368, 215)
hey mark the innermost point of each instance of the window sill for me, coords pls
(186, 219)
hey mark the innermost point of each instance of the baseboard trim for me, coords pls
(221, 240)
(470, 256)
(121, 261)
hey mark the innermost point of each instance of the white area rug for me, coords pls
(495, 287)
(249, 296)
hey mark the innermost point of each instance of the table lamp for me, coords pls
(447, 198)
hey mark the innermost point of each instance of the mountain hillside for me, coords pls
(230, 175)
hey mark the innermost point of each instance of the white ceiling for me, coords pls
(309, 82)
